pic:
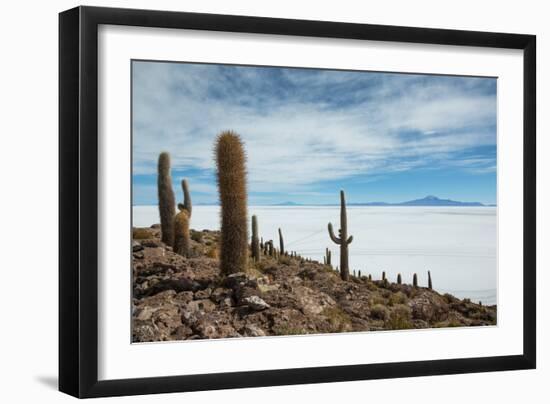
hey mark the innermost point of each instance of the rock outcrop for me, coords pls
(180, 298)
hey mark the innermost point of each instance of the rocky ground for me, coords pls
(176, 298)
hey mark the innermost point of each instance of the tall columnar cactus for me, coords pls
(182, 241)
(383, 275)
(281, 242)
(186, 205)
(231, 175)
(415, 280)
(343, 240)
(255, 242)
(399, 279)
(359, 273)
(429, 280)
(167, 201)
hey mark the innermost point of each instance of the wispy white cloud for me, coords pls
(305, 127)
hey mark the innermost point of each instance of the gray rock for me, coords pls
(256, 303)
(251, 330)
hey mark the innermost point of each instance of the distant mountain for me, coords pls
(287, 203)
(431, 200)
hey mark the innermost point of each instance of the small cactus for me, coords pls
(415, 280)
(281, 242)
(231, 176)
(343, 240)
(429, 280)
(399, 279)
(181, 233)
(328, 257)
(269, 247)
(255, 242)
(186, 205)
(181, 223)
(167, 201)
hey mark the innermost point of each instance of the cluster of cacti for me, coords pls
(343, 240)
(327, 259)
(174, 227)
(166, 199)
(231, 176)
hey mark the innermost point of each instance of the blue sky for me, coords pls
(309, 133)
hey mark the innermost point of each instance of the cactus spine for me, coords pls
(167, 201)
(343, 240)
(415, 280)
(231, 175)
(429, 280)
(182, 240)
(399, 279)
(255, 242)
(281, 242)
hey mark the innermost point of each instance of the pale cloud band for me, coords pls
(305, 127)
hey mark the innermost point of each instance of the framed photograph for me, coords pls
(251, 201)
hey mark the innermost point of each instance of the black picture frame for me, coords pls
(78, 201)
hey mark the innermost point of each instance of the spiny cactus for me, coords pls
(415, 280)
(399, 279)
(181, 233)
(269, 247)
(255, 242)
(429, 280)
(182, 240)
(359, 273)
(186, 205)
(281, 242)
(383, 275)
(231, 175)
(167, 201)
(343, 240)
(328, 257)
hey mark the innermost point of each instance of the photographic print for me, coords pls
(276, 201)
